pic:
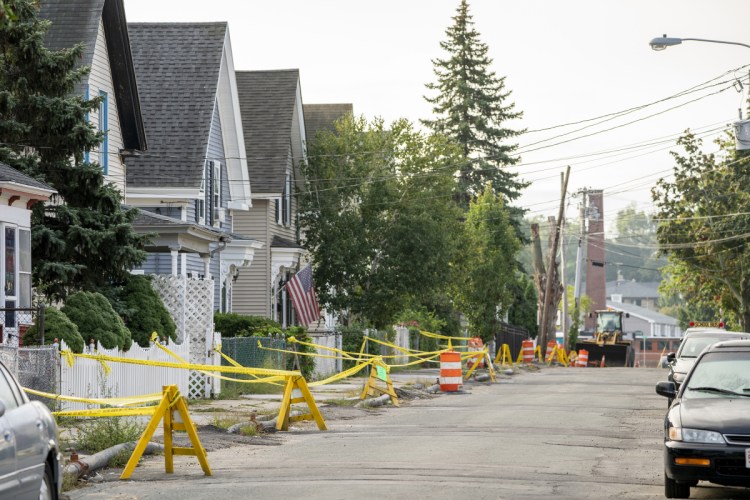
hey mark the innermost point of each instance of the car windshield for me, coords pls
(693, 346)
(720, 374)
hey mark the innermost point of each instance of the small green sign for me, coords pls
(382, 375)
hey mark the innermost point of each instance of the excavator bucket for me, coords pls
(613, 354)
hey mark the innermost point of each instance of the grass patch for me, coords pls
(104, 432)
(225, 421)
(69, 483)
(249, 430)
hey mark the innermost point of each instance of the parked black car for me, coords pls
(707, 428)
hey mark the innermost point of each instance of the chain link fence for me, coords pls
(14, 321)
(35, 368)
(246, 352)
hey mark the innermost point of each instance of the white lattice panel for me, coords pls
(190, 301)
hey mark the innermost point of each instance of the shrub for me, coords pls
(56, 325)
(95, 318)
(351, 340)
(99, 434)
(239, 325)
(142, 310)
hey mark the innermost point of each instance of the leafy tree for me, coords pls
(471, 107)
(484, 291)
(704, 224)
(632, 253)
(376, 219)
(96, 319)
(56, 326)
(523, 311)
(84, 239)
(142, 310)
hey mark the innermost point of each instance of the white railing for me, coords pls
(87, 377)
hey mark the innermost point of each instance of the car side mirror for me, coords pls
(671, 356)
(666, 389)
(2, 408)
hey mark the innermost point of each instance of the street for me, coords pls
(558, 432)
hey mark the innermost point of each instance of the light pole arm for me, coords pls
(716, 41)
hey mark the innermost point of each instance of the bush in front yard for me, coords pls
(142, 310)
(240, 325)
(56, 325)
(95, 318)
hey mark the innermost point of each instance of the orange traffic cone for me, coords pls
(602, 363)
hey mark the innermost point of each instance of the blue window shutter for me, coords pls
(103, 127)
(86, 154)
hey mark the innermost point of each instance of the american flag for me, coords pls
(301, 289)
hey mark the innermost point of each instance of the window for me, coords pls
(200, 203)
(24, 268)
(217, 214)
(284, 204)
(103, 127)
(7, 393)
(10, 262)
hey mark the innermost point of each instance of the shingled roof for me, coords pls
(322, 117)
(177, 65)
(11, 175)
(267, 101)
(77, 21)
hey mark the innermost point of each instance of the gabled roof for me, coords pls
(77, 21)
(634, 289)
(267, 100)
(10, 175)
(643, 313)
(177, 65)
(320, 117)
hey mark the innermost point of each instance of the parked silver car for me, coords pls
(30, 458)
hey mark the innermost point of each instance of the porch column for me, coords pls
(175, 251)
(206, 265)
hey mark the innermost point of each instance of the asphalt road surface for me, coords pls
(555, 433)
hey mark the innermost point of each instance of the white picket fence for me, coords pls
(325, 367)
(87, 377)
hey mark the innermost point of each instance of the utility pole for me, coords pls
(579, 252)
(564, 320)
(549, 303)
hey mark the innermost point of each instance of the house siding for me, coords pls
(100, 80)
(251, 293)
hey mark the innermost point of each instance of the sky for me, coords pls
(564, 62)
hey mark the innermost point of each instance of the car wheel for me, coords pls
(47, 490)
(673, 489)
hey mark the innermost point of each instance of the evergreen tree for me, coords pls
(470, 108)
(83, 239)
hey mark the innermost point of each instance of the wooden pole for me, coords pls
(548, 307)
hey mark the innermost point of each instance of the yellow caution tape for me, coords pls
(107, 412)
(441, 336)
(193, 366)
(121, 401)
(342, 375)
(345, 354)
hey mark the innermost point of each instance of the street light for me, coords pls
(661, 43)
(741, 127)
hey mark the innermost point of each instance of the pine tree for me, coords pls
(84, 239)
(470, 108)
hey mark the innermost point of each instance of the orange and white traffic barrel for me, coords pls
(451, 376)
(583, 358)
(527, 351)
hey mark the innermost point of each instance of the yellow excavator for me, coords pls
(608, 341)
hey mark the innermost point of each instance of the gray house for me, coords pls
(642, 294)
(649, 323)
(274, 128)
(101, 26)
(195, 173)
